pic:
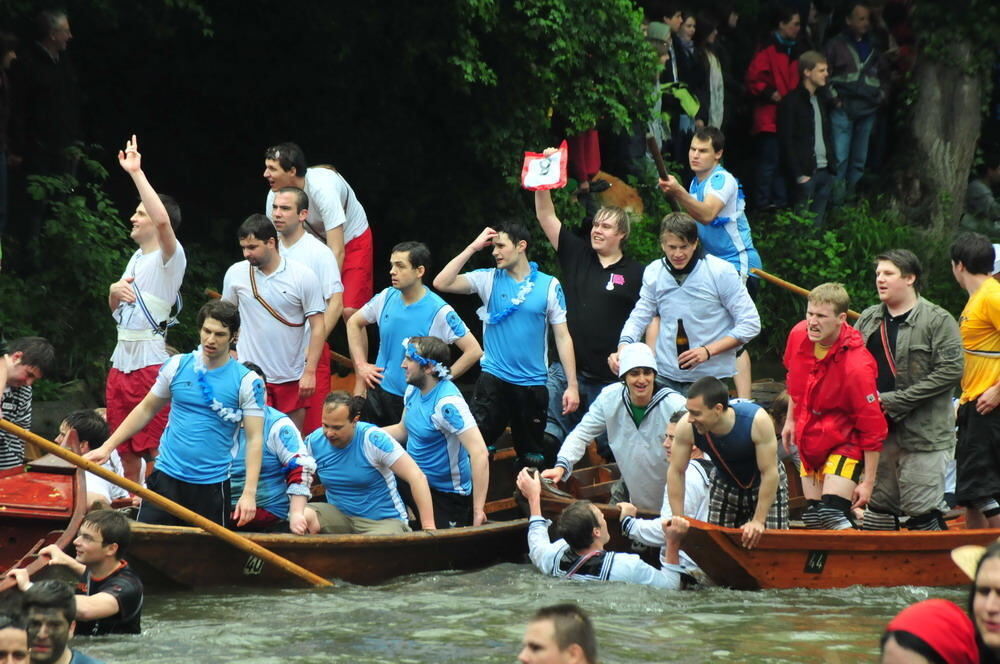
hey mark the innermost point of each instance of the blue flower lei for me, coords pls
(515, 303)
(411, 354)
(228, 414)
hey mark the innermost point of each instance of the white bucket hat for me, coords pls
(635, 355)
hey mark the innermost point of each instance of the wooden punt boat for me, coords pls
(831, 559)
(172, 556)
(41, 503)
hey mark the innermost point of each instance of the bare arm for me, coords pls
(317, 337)
(702, 212)
(131, 162)
(765, 445)
(335, 240)
(246, 506)
(564, 347)
(545, 211)
(406, 468)
(448, 279)
(398, 431)
(472, 441)
(788, 431)
(680, 456)
(366, 375)
(133, 424)
(471, 353)
(334, 307)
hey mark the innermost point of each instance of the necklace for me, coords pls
(233, 415)
(515, 304)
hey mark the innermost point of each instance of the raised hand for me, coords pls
(129, 158)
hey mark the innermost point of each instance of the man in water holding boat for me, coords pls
(834, 415)
(51, 616)
(978, 485)
(282, 306)
(918, 350)
(580, 554)
(442, 436)
(112, 594)
(634, 413)
(519, 305)
(141, 303)
(358, 463)
(560, 634)
(748, 487)
(406, 309)
(212, 394)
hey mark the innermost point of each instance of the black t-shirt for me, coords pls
(886, 381)
(125, 586)
(598, 302)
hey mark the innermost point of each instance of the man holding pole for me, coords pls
(211, 395)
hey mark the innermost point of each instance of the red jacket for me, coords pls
(773, 68)
(837, 409)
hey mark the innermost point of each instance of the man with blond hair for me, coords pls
(834, 416)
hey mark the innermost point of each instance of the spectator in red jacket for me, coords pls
(773, 73)
(834, 414)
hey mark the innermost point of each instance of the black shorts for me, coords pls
(977, 455)
(209, 500)
(382, 408)
(451, 510)
(497, 404)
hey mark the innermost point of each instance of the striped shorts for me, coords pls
(731, 506)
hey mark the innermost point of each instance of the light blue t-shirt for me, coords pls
(197, 443)
(434, 422)
(357, 478)
(285, 469)
(516, 348)
(428, 316)
(728, 235)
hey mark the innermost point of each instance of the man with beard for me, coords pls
(442, 436)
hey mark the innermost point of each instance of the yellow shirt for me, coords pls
(820, 351)
(980, 327)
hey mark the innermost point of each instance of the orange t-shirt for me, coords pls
(980, 327)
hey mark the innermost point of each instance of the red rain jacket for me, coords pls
(837, 409)
(771, 69)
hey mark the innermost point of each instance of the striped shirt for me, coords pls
(17, 410)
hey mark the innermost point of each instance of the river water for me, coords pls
(479, 617)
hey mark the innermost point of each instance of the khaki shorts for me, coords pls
(909, 483)
(332, 520)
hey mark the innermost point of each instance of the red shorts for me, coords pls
(314, 411)
(263, 521)
(356, 272)
(285, 396)
(122, 393)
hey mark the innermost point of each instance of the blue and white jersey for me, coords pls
(728, 235)
(516, 348)
(197, 443)
(428, 316)
(286, 469)
(358, 478)
(434, 422)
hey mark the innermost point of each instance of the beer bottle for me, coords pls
(682, 341)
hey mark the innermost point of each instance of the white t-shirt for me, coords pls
(109, 491)
(332, 203)
(294, 292)
(154, 281)
(317, 257)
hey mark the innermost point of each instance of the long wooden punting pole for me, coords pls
(179, 511)
(798, 290)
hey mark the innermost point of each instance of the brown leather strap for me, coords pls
(267, 307)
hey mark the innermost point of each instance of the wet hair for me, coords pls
(36, 352)
(417, 253)
(809, 60)
(173, 209)
(225, 312)
(515, 231)
(831, 293)
(46, 21)
(712, 134)
(906, 261)
(680, 224)
(260, 227)
(10, 620)
(619, 216)
(576, 524)
(711, 390)
(974, 251)
(301, 197)
(256, 369)
(288, 156)
(343, 398)
(51, 594)
(571, 625)
(114, 528)
(912, 642)
(432, 348)
(90, 427)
